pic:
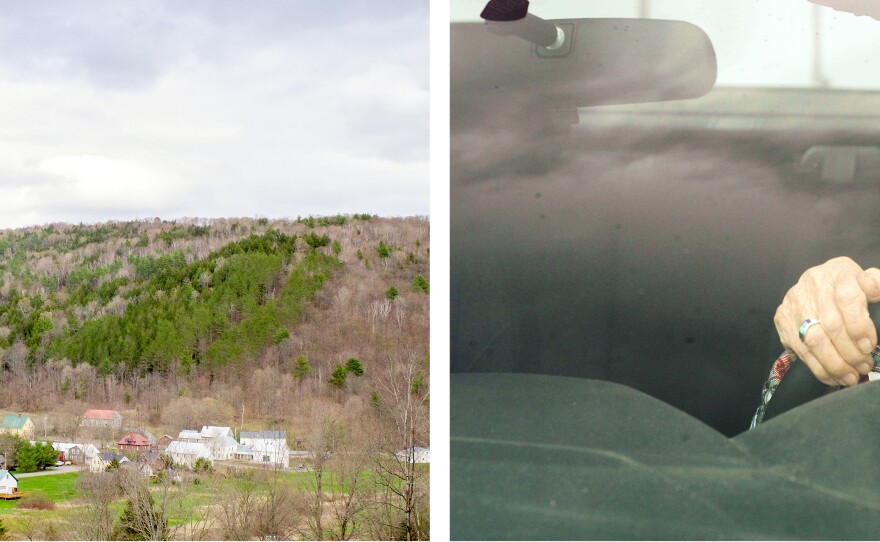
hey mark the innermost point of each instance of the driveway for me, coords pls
(54, 470)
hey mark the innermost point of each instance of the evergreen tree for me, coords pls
(338, 377)
(301, 368)
(354, 367)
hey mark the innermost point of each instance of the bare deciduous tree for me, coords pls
(327, 436)
(404, 399)
(259, 504)
(94, 520)
(352, 497)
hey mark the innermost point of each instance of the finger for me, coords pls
(843, 312)
(820, 346)
(813, 364)
(788, 334)
(869, 281)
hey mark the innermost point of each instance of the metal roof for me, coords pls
(96, 414)
(263, 435)
(188, 448)
(215, 430)
(11, 421)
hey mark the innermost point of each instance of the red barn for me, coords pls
(102, 418)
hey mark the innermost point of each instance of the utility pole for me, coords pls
(644, 9)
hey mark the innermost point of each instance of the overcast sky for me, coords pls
(119, 110)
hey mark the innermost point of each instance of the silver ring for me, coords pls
(808, 323)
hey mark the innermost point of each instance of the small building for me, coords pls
(94, 417)
(187, 453)
(8, 483)
(17, 425)
(134, 443)
(100, 462)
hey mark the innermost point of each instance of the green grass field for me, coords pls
(58, 487)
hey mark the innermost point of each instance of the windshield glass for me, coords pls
(790, 43)
(650, 243)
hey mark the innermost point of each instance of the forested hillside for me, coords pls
(315, 326)
(247, 312)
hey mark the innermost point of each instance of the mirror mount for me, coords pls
(505, 10)
(512, 18)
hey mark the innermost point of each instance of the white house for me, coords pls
(189, 435)
(141, 467)
(220, 440)
(213, 431)
(186, 453)
(8, 483)
(420, 455)
(222, 448)
(100, 462)
(266, 447)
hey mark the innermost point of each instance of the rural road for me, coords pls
(56, 470)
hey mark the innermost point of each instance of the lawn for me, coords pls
(58, 487)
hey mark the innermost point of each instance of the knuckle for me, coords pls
(841, 260)
(848, 293)
(813, 340)
(832, 324)
(779, 319)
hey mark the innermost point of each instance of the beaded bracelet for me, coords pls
(777, 373)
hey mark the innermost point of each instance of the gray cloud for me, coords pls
(168, 108)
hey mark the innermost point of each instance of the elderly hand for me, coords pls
(836, 293)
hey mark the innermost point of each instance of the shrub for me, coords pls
(36, 500)
(281, 334)
(391, 293)
(202, 466)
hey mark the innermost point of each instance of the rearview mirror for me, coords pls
(603, 62)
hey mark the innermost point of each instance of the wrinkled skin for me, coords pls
(837, 293)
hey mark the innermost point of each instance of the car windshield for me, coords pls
(650, 243)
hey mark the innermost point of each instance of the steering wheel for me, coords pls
(791, 384)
